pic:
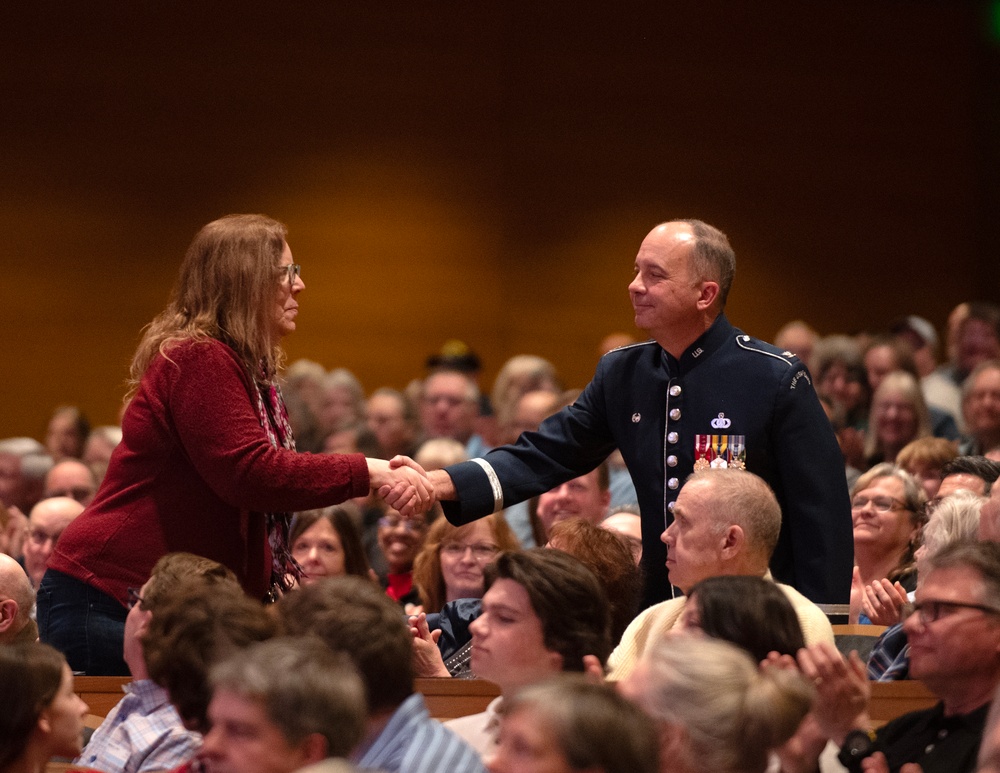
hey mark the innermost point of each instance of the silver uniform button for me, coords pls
(672, 437)
(673, 483)
(670, 506)
(671, 461)
(675, 390)
(675, 414)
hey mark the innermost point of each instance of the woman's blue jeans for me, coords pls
(83, 623)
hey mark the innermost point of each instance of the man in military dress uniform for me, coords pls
(700, 394)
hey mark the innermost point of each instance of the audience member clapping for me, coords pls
(887, 506)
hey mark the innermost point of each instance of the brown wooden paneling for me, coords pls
(479, 171)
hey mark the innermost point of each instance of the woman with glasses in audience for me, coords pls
(327, 543)
(887, 508)
(207, 463)
(400, 540)
(450, 565)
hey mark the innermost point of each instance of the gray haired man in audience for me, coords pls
(23, 465)
(280, 705)
(351, 615)
(954, 632)
(726, 522)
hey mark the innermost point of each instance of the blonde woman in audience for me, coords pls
(570, 724)
(955, 519)
(41, 717)
(887, 509)
(207, 463)
(716, 710)
(924, 459)
(898, 415)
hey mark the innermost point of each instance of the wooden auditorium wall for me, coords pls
(473, 172)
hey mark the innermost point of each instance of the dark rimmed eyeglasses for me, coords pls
(291, 272)
(135, 597)
(931, 610)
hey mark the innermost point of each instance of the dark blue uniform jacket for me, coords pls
(729, 397)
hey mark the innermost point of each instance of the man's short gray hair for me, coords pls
(713, 257)
(744, 499)
(305, 688)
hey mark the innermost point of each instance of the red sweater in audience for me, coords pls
(194, 472)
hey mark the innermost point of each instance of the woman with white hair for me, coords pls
(717, 711)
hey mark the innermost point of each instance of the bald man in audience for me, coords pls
(625, 522)
(17, 598)
(726, 522)
(48, 519)
(71, 478)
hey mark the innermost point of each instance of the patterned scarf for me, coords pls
(274, 419)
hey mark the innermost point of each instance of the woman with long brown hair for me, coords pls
(207, 462)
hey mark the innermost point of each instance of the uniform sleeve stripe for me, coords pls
(497, 489)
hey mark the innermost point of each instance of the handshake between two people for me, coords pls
(406, 486)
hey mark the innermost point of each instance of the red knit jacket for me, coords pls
(194, 472)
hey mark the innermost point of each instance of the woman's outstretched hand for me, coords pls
(403, 484)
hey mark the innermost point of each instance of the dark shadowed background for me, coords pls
(484, 171)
